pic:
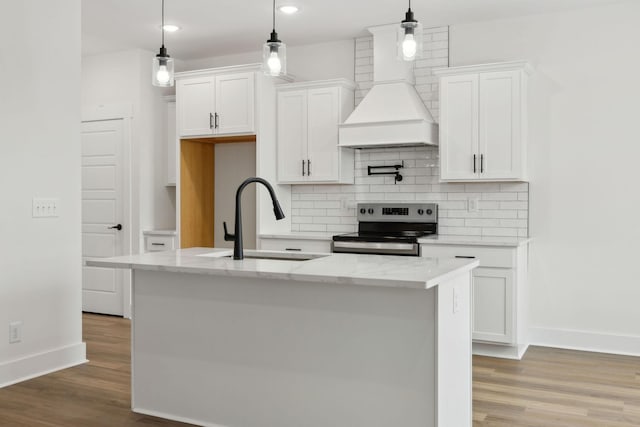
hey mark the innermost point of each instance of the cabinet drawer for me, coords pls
(488, 257)
(159, 243)
(296, 245)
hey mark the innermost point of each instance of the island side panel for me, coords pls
(454, 352)
(252, 352)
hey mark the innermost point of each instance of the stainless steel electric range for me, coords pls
(389, 229)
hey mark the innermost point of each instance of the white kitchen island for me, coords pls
(342, 340)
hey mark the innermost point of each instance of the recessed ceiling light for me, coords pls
(171, 28)
(288, 9)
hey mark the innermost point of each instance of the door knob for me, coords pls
(117, 227)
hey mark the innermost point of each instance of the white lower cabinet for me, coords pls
(158, 241)
(295, 245)
(493, 305)
(500, 297)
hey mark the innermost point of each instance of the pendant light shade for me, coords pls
(409, 37)
(274, 53)
(162, 69)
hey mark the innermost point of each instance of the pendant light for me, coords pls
(409, 37)
(274, 52)
(162, 70)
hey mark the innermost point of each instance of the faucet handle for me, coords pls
(227, 237)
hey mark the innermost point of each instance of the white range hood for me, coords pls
(392, 113)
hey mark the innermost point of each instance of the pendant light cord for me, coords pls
(162, 23)
(274, 15)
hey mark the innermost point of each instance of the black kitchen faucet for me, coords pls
(236, 237)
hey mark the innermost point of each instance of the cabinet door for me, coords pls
(459, 127)
(500, 125)
(195, 100)
(322, 135)
(292, 136)
(493, 305)
(235, 103)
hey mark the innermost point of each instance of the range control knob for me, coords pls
(420, 211)
(371, 211)
(429, 211)
(363, 211)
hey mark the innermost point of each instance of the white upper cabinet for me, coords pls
(308, 117)
(292, 132)
(216, 104)
(234, 103)
(195, 106)
(483, 131)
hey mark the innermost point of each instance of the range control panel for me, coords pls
(398, 212)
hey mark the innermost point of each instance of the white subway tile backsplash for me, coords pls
(502, 212)
(313, 196)
(503, 207)
(326, 220)
(483, 222)
(314, 227)
(514, 205)
(499, 196)
(329, 204)
(507, 232)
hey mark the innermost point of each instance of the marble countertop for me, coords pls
(299, 235)
(475, 241)
(347, 269)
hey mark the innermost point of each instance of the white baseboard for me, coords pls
(500, 351)
(35, 365)
(628, 345)
(174, 417)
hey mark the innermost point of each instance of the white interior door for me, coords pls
(102, 210)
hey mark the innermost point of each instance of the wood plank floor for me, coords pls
(548, 388)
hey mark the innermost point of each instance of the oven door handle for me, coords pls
(373, 245)
(376, 248)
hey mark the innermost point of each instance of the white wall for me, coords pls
(233, 164)
(40, 137)
(320, 61)
(125, 78)
(584, 195)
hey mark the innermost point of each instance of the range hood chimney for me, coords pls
(392, 113)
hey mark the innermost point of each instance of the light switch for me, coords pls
(45, 208)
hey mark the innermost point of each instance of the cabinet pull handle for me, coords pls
(474, 163)
(302, 167)
(217, 120)
(157, 244)
(210, 121)
(465, 256)
(481, 163)
(293, 249)
(308, 167)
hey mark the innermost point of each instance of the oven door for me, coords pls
(378, 248)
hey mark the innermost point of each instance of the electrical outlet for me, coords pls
(456, 300)
(472, 204)
(45, 208)
(15, 332)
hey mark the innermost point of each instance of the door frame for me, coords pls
(122, 112)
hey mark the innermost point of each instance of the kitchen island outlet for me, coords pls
(290, 340)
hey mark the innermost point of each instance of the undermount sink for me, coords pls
(270, 255)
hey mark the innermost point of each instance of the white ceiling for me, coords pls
(220, 27)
